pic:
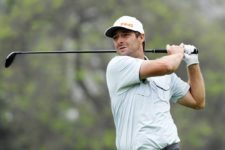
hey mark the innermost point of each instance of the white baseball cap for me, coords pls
(125, 22)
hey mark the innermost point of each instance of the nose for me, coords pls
(119, 39)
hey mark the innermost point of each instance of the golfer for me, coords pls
(141, 90)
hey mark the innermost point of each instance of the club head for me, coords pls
(9, 59)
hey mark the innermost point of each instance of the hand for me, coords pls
(175, 49)
(189, 57)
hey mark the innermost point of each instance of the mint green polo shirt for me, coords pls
(141, 109)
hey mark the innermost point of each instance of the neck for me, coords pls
(140, 54)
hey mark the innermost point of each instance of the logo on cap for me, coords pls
(127, 24)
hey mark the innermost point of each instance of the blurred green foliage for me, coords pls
(61, 101)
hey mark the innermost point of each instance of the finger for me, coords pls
(182, 45)
(169, 49)
(167, 46)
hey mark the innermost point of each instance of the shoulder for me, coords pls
(119, 62)
(119, 59)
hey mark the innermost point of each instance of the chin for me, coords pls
(123, 53)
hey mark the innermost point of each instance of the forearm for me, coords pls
(164, 65)
(173, 61)
(161, 66)
(197, 86)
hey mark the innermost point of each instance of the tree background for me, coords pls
(55, 102)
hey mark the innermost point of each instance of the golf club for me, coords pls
(10, 58)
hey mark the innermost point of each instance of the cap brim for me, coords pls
(110, 32)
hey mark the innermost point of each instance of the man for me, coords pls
(141, 90)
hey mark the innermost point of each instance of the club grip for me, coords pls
(165, 51)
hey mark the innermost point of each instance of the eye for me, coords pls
(115, 37)
(126, 34)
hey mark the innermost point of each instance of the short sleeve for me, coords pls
(122, 72)
(179, 88)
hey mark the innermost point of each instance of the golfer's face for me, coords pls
(126, 42)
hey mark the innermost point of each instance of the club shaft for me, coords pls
(12, 55)
(85, 51)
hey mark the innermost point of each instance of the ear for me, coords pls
(142, 36)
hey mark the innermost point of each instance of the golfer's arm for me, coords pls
(195, 98)
(196, 82)
(161, 66)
